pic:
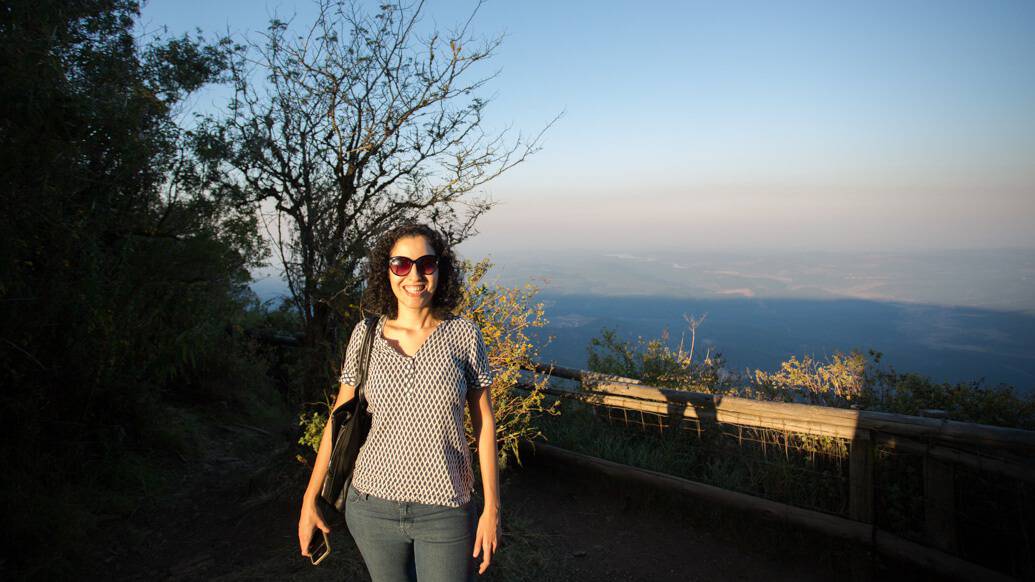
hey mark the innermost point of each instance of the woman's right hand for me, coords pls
(308, 522)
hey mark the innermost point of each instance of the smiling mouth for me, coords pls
(414, 291)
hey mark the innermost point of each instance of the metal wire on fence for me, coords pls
(984, 517)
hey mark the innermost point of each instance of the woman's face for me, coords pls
(415, 289)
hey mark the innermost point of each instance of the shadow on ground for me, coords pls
(235, 515)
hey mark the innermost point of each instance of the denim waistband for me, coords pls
(368, 498)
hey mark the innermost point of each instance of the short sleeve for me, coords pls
(479, 375)
(348, 367)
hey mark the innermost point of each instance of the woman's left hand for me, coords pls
(488, 537)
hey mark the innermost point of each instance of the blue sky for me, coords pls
(744, 125)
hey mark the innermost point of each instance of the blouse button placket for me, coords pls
(410, 373)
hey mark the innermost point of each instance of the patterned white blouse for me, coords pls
(416, 450)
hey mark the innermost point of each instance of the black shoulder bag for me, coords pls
(350, 424)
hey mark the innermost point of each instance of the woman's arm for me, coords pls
(310, 518)
(489, 532)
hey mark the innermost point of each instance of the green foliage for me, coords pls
(909, 393)
(838, 382)
(847, 379)
(505, 315)
(654, 362)
(842, 380)
(123, 278)
(117, 280)
(312, 424)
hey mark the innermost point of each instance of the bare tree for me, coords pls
(359, 123)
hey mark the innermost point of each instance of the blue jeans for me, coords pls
(412, 541)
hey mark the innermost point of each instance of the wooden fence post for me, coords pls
(860, 477)
(939, 497)
(860, 498)
(940, 504)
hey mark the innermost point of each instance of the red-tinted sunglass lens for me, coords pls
(427, 264)
(401, 265)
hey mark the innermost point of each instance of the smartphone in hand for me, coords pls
(319, 548)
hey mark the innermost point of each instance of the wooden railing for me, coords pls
(943, 444)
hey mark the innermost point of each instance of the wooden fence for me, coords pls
(943, 444)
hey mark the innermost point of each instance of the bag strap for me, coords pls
(364, 359)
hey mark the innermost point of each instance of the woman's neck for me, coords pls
(410, 318)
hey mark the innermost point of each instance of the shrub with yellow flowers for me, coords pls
(505, 316)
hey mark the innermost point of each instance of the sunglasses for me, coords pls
(401, 265)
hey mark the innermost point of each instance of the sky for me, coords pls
(745, 126)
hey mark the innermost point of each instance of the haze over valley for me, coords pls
(951, 315)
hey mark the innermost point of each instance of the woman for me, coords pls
(409, 505)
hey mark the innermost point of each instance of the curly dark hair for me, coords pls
(378, 297)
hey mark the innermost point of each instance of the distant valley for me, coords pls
(946, 343)
(999, 279)
(955, 316)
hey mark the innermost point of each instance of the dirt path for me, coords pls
(236, 515)
(602, 533)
